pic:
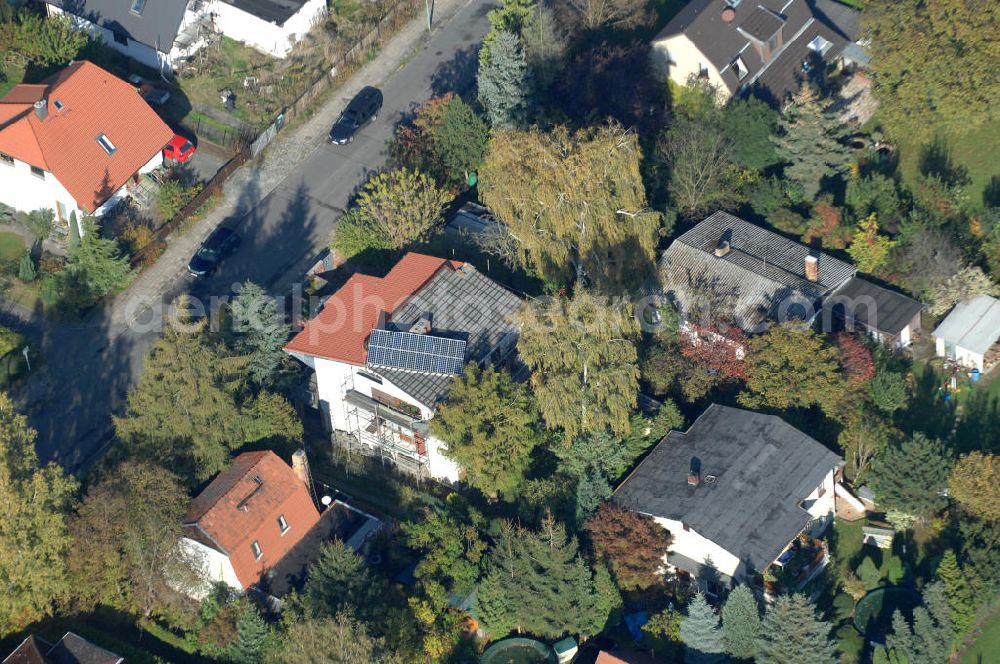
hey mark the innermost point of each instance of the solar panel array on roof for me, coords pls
(416, 352)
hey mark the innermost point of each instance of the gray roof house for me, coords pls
(727, 269)
(734, 490)
(149, 31)
(764, 47)
(970, 334)
(386, 350)
(731, 269)
(71, 649)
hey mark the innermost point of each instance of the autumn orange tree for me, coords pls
(631, 544)
(855, 359)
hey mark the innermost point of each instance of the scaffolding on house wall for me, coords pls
(377, 430)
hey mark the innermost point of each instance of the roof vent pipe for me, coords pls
(42, 109)
(722, 248)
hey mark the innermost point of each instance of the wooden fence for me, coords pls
(247, 146)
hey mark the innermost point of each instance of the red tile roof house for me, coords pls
(386, 349)
(74, 142)
(248, 518)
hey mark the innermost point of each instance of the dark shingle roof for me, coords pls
(762, 23)
(763, 466)
(275, 11)
(31, 651)
(799, 20)
(157, 25)
(761, 270)
(875, 307)
(462, 304)
(73, 649)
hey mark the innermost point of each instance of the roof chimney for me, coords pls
(300, 466)
(728, 14)
(722, 248)
(812, 268)
(694, 478)
(42, 108)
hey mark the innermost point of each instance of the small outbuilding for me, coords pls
(885, 315)
(970, 334)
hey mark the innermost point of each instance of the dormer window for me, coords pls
(820, 45)
(740, 68)
(137, 7)
(106, 144)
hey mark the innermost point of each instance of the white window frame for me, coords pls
(38, 172)
(740, 68)
(106, 144)
(258, 553)
(137, 11)
(283, 524)
(6, 159)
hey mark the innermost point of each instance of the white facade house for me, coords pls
(75, 143)
(156, 33)
(767, 47)
(970, 334)
(735, 491)
(162, 33)
(384, 351)
(271, 27)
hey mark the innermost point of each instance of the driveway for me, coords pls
(284, 207)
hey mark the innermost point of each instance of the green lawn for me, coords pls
(985, 649)
(9, 77)
(974, 149)
(11, 247)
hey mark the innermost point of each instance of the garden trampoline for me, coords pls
(518, 651)
(873, 612)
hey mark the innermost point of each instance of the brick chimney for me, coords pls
(722, 248)
(694, 478)
(300, 466)
(812, 268)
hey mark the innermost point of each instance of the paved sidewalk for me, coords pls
(276, 163)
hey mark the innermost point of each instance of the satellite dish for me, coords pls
(326, 500)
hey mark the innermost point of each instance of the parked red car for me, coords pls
(178, 148)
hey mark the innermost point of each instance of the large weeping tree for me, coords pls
(584, 365)
(575, 203)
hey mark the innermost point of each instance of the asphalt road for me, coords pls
(90, 366)
(284, 232)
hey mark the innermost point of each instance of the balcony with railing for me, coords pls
(386, 431)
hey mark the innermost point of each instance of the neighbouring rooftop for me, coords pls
(755, 470)
(973, 324)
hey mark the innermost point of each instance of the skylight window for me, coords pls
(58, 104)
(138, 6)
(820, 45)
(740, 68)
(106, 143)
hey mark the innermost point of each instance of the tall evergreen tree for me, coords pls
(701, 633)
(95, 268)
(449, 539)
(34, 540)
(961, 603)
(259, 332)
(911, 478)
(490, 425)
(184, 412)
(740, 623)
(460, 142)
(538, 582)
(504, 84)
(338, 580)
(929, 639)
(793, 632)
(810, 141)
(584, 365)
(253, 636)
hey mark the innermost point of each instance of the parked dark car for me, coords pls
(363, 109)
(218, 245)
